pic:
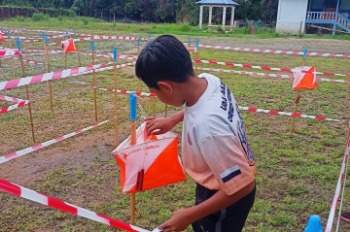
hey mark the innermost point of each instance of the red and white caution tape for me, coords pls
(11, 84)
(15, 106)
(278, 75)
(11, 99)
(110, 37)
(137, 93)
(9, 52)
(119, 66)
(110, 55)
(265, 67)
(338, 188)
(290, 114)
(19, 191)
(26, 151)
(37, 51)
(31, 62)
(273, 51)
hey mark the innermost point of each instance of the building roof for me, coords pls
(217, 2)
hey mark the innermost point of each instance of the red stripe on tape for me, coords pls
(58, 204)
(10, 188)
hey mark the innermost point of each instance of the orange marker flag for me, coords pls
(68, 46)
(304, 80)
(151, 163)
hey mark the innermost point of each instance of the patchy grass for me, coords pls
(296, 176)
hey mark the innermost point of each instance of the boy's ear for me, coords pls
(165, 87)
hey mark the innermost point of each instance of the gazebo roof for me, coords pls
(217, 2)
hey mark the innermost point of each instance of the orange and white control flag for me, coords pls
(151, 163)
(304, 78)
(68, 46)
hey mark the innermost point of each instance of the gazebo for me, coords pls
(217, 3)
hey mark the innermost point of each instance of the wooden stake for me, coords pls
(49, 85)
(95, 88)
(133, 195)
(13, 67)
(296, 102)
(78, 55)
(30, 114)
(347, 94)
(115, 104)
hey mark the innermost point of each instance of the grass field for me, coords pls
(296, 176)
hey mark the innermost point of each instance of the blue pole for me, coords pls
(305, 53)
(197, 44)
(133, 103)
(138, 41)
(115, 54)
(92, 45)
(189, 41)
(9, 33)
(67, 33)
(75, 30)
(46, 40)
(18, 43)
(43, 34)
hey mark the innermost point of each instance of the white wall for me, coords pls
(291, 16)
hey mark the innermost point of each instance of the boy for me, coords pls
(215, 150)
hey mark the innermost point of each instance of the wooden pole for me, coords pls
(347, 94)
(115, 104)
(13, 67)
(95, 88)
(133, 117)
(28, 98)
(78, 55)
(133, 195)
(49, 84)
(295, 110)
(65, 60)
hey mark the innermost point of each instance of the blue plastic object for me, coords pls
(46, 40)
(305, 53)
(67, 33)
(138, 41)
(92, 45)
(75, 30)
(43, 34)
(115, 54)
(18, 43)
(314, 224)
(9, 33)
(133, 103)
(197, 43)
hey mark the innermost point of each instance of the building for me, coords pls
(294, 15)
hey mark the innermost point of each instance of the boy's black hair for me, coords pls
(164, 58)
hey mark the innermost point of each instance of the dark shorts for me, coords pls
(230, 219)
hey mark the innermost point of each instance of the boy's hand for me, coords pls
(178, 222)
(157, 126)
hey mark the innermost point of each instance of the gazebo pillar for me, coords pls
(224, 18)
(200, 17)
(210, 15)
(232, 17)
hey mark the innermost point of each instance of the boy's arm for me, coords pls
(157, 126)
(182, 218)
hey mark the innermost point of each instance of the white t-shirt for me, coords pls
(215, 150)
